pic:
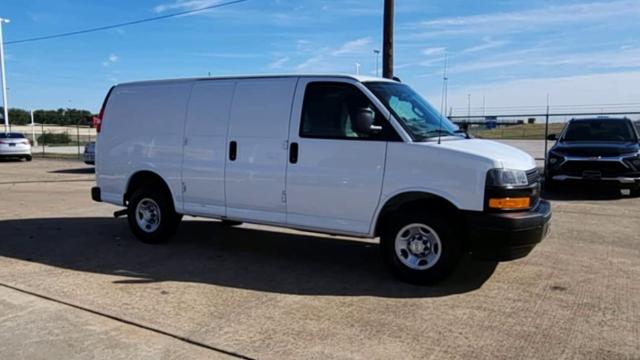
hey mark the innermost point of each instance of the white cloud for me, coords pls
(333, 59)
(487, 44)
(434, 51)
(303, 45)
(278, 63)
(482, 65)
(351, 47)
(522, 21)
(185, 5)
(111, 59)
(602, 88)
(627, 57)
(316, 59)
(550, 14)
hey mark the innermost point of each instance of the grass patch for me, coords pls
(524, 131)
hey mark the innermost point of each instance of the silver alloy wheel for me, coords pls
(418, 246)
(148, 215)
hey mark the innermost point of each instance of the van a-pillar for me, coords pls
(387, 40)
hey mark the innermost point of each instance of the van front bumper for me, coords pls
(509, 235)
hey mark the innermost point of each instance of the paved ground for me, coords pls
(75, 284)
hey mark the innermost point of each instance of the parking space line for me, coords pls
(130, 322)
(45, 181)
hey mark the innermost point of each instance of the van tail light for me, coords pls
(97, 122)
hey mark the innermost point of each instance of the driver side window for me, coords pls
(329, 112)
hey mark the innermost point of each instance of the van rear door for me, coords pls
(205, 147)
(256, 149)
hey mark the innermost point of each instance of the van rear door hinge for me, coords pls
(184, 187)
(285, 144)
(185, 141)
(284, 196)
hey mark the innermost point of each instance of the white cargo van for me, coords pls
(335, 154)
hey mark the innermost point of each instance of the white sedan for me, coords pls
(15, 145)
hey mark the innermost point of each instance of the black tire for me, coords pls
(230, 223)
(28, 158)
(635, 192)
(450, 247)
(168, 219)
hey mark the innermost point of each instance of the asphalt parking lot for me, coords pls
(75, 284)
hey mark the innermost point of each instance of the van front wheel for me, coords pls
(151, 216)
(420, 248)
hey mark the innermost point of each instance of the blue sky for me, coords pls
(512, 53)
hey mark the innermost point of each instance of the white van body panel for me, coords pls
(205, 149)
(259, 124)
(143, 131)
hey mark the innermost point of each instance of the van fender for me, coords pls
(157, 176)
(415, 192)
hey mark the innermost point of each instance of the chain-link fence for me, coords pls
(63, 141)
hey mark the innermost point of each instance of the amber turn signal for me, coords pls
(510, 203)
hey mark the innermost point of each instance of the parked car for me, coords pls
(345, 155)
(89, 154)
(15, 145)
(601, 150)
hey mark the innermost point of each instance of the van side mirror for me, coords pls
(363, 123)
(552, 137)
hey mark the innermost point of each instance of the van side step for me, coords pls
(120, 213)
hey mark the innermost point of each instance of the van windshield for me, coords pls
(416, 115)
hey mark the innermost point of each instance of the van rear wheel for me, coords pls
(151, 216)
(420, 248)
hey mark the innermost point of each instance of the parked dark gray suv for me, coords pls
(604, 150)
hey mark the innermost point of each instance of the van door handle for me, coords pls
(293, 153)
(233, 150)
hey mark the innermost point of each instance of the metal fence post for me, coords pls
(42, 137)
(546, 134)
(78, 138)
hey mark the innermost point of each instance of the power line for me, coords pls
(128, 23)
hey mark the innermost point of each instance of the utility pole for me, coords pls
(376, 53)
(387, 40)
(5, 104)
(468, 107)
(357, 68)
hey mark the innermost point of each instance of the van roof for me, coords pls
(360, 78)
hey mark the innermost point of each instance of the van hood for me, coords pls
(502, 156)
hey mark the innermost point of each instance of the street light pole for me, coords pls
(376, 52)
(5, 105)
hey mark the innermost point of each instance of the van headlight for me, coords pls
(506, 178)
